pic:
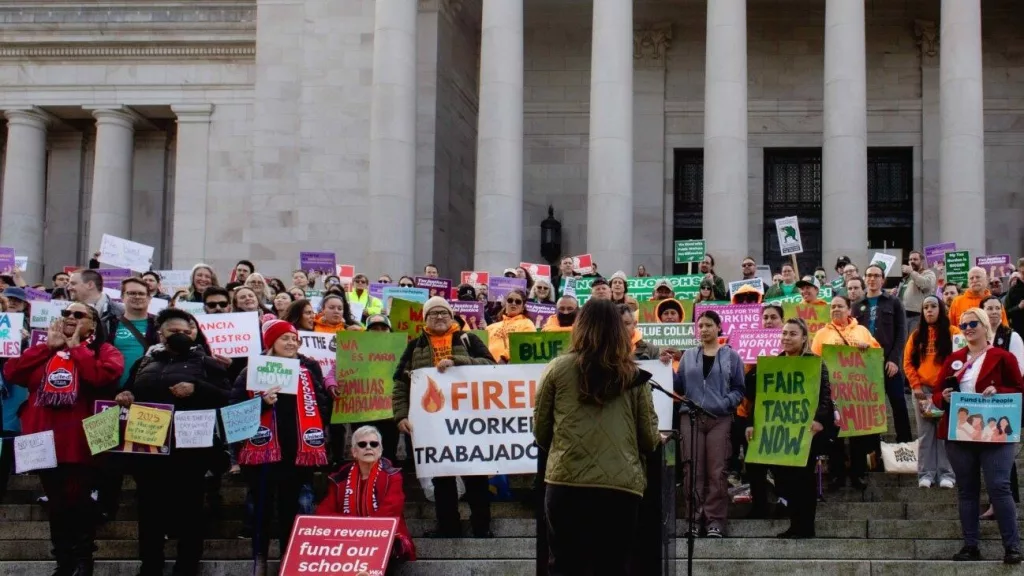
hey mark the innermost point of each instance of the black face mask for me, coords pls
(567, 319)
(179, 343)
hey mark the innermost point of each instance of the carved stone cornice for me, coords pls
(106, 51)
(14, 14)
(651, 43)
(927, 34)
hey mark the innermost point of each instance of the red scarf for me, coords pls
(264, 447)
(365, 501)
(60, 380)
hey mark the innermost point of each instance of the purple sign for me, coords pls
(135, 448)
(996, 266)
(7, 263)
(435, 286)
(499, 287)
(751, 344)
(471, 312)
(324, 262)
(112, 277)
(539, 312)
(935, 254)
(734, 316)
(377, 290)
(38, 337)
(37, 295)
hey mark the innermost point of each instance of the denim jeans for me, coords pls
(969, 461)
(932, 463)
(894, 390)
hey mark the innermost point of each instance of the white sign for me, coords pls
(121, 253)
(888, 262)
(756, 283)
(266, 372)
(235, 335)
(11, 324)
(156, 305)
(790, 241)
(319, 346)
(194, 428)
(112, 293)
(34, 452)
(661, 374)
(43, 313)
(21, 262)
(193, 308)
(174, 280)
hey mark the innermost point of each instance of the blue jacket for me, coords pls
(11, 399)
(722, 391)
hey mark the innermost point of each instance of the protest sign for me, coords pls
(121, 253)
(194, 428)
(377, 290)
(471, 312)
(21, 263)
(787, 398)
(266, 372)
(642, 288)
(764, 272)
(157, 305)
(406, 317)
(499, 287)
(194, 308)
(977, 418)
(147, 425)
(661, 374)
(10, 334)
(235, 335)
(958, 264)
(36, 295)
(816, 316)
(690, 251)
(434, 286)
(536, 270)
(583, 264)
(475, 277)
(34, 452)
(679, 336)
(125, 445)
(537, 347)
(934, 254)
(539, 312)
(756, 283)
(569, 286)
(366, 362)
(391, 293)
(339, 545)
(753, 344)
(790, 241)
(102, 431)
(43, 314)
(319, 346)
(474, 420)
(482, 335)
(886, 261)
(174, 280)
(323, 262)
(734, 316)
(112, 278)
(858, 388)
(6, 260)
(996, 266)
(241, 421)
(37, 337)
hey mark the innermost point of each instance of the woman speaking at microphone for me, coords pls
(594, 416)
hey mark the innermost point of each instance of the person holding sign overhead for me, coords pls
(988, 370)
(64, 376)
(170, 489)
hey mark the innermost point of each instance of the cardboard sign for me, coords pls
(992, 419)
(499, 287)
(43, 314)
(997, 266)
(537, 347)
(754, 344)
(121, 253)
(147, 425)
(688, 251)
(471, 312)
(242, 420)
(536, 270)
(366, 362)
(323, 262)
(935, 254)
(958, 264)
(102, 431)
(174, 280)
(583, 264)
(886, 261)
(756, 283)
(680, 336)
(34, 452)
(539, 312)
(235, 335)
(406, 317)
(346, 272)
(435, 286)
(734, 316)
(7, 263)
(194, 428)
(11, 324)
(125, 445)
(266, 372)
(858, 388)
(474, 277)
(787, 398)
(790, 241)
(339, 545)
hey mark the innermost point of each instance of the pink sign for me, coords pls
(751, 344)
(734, 316)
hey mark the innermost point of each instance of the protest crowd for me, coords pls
(179, 379)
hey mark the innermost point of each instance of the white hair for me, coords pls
(365, 431)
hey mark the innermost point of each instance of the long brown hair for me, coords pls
(604, 355)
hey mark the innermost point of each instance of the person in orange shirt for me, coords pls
(927, 349)
(565, 316)
(977, 290)
(513, 318)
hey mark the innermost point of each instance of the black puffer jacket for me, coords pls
(155, 373)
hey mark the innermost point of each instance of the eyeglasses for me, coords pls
(972, 325)
(77, 315)
(360, 281)
(544, 288)
(217, 304)
(136, 294)
(371, 444)
(438, 314)
(872, 275)
(514, 302)
(383, 281)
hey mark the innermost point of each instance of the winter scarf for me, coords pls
(60, 380)
(265, 448)
(356, 503)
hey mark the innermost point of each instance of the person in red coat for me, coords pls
(980, 368)
(64, 376)
(383, 499)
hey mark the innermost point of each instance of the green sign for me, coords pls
(690, 251)
(537, 347)
(481, 334)
(825, 293)
(102, 430)
(787, 398)
(858, 388)
(958, 264)
(407, 317)
(679, 336)
(365, 364)
(685, 287)
(817, 316)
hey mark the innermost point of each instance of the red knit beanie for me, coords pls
(273, 330)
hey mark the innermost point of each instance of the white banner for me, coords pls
(121, 253)
(173, 280)
(235, 335)
(34, 452)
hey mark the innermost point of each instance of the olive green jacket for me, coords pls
(467, 349)
(591, 445)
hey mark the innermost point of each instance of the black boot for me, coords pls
(65, 564)
(83, 567)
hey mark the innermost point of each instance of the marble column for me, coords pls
(844, 155)
(191, 185)
(927, 202)
(24, 197)
(110, 210)
(63, 201)
(610, 184)
(499, 164)
(961, 104)
(393, 139)
(725, 134)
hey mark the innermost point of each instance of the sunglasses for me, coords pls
(514, 302)
(217, 304)
(403, 285)
(77, 315)
(371, 444)
(972, 325)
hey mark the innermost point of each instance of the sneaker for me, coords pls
(42, 500)
(95, 495)
(714, 533)
(967, 554)
(925, 483)
(695, 532)
(946, 483)
(734, 480)
(1012, 556)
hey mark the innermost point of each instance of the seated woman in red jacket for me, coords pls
(376, 491)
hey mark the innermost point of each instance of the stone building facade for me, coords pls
(400, 132)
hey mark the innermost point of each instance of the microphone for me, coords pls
(690, 404)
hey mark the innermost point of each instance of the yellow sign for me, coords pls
(147, 425)
(103, 430)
